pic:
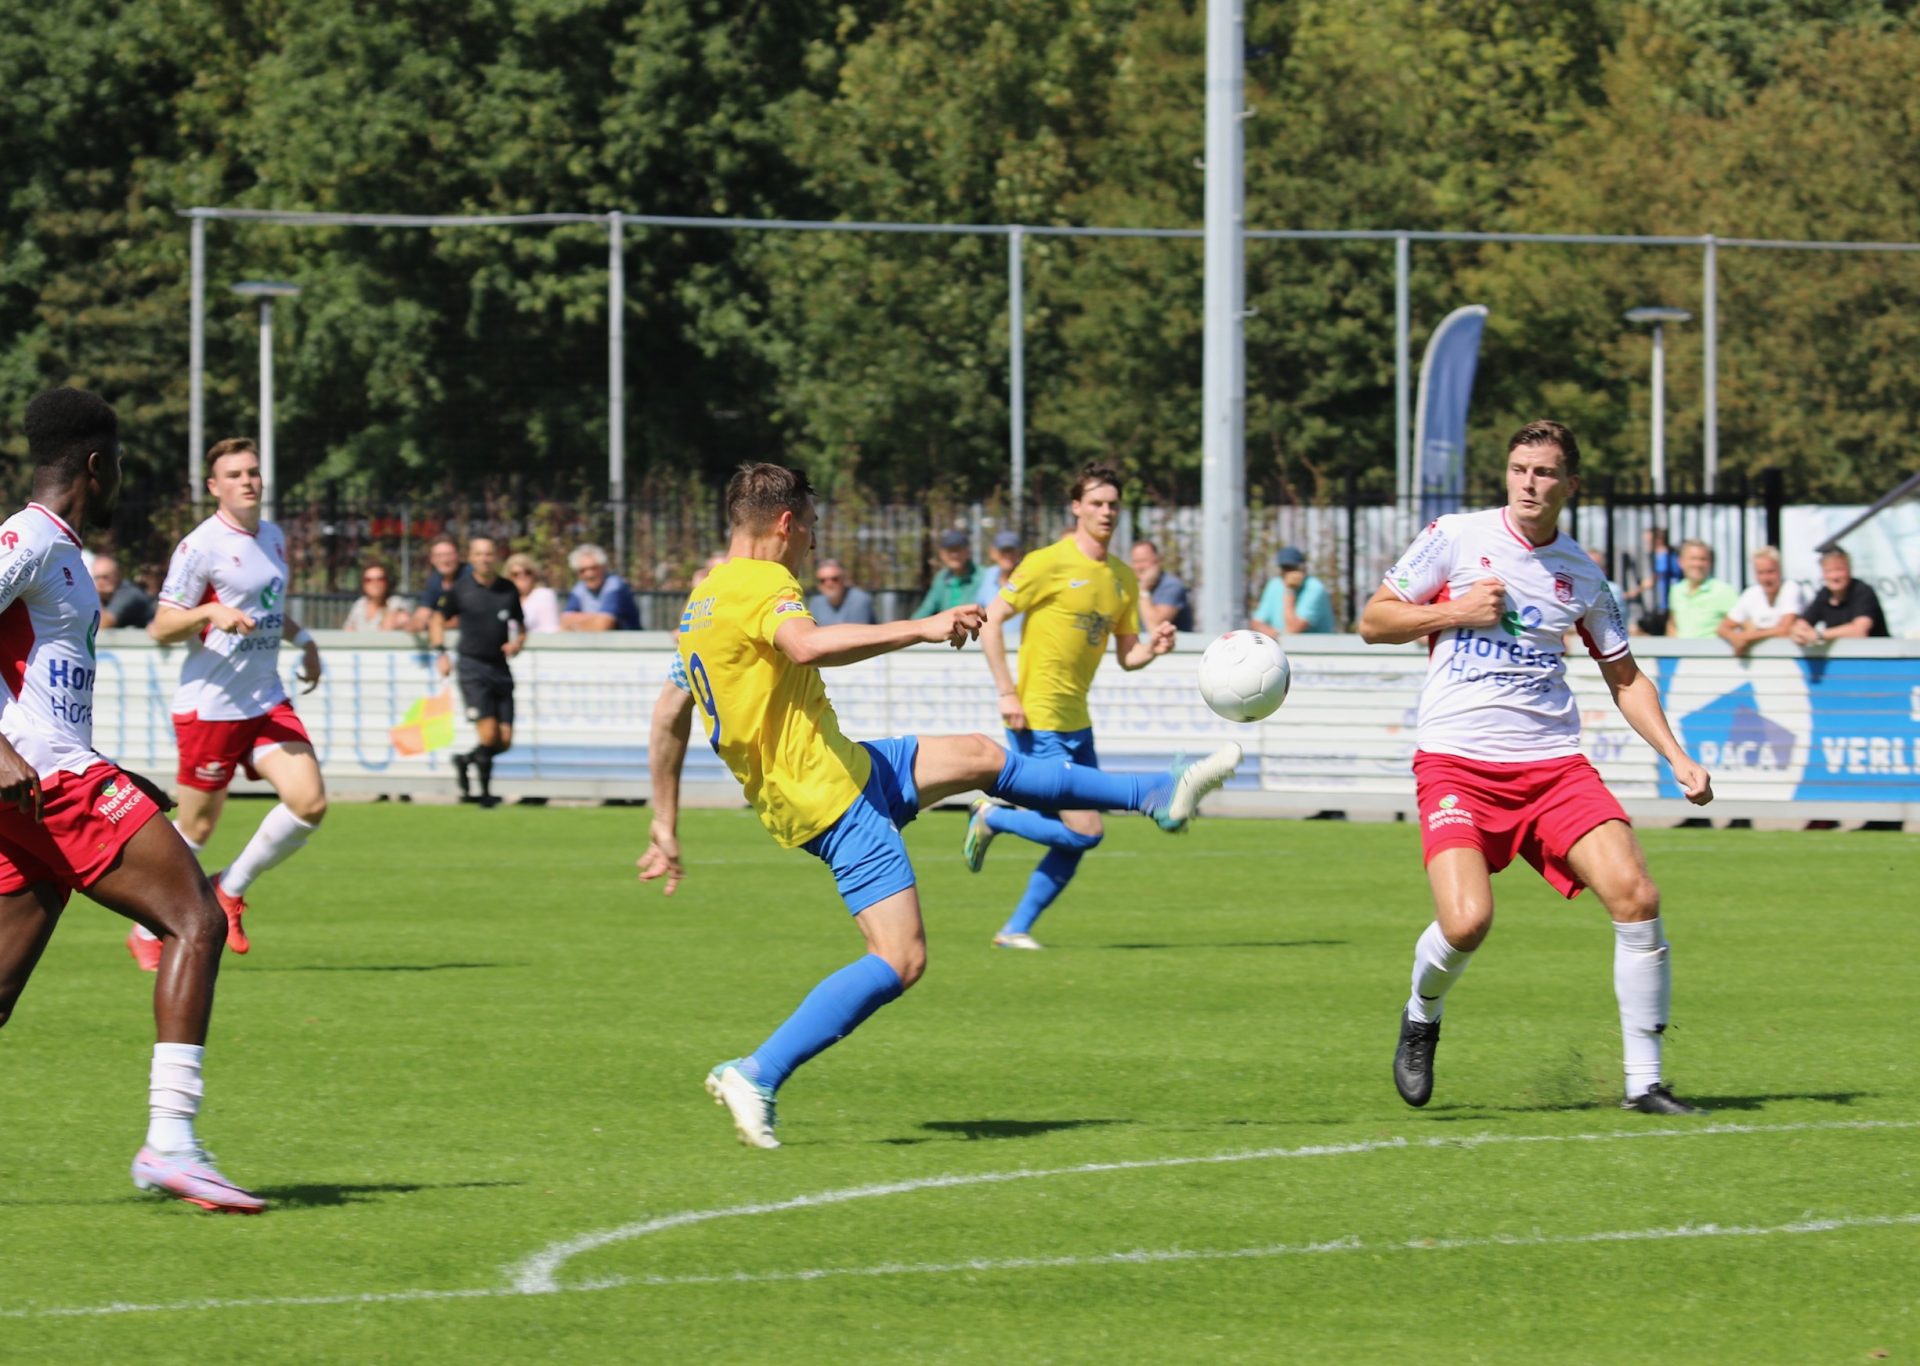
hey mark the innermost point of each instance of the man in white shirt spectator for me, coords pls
(1767, 609)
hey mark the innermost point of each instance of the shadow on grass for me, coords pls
(1237, 944)
(1711, 1104)
(969, 1130)
(326, 1196)
(379, 967)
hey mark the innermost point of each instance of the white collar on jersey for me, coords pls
(65, 530)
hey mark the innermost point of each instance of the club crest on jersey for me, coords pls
(1563, 588)
(1485, 563)
(9, 540)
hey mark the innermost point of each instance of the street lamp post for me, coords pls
(266, 291)
(1659, 318)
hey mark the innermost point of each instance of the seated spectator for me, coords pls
(121, 603)
(1162, 596)
(378, 607)
(539, 604)
(444, 566)
(1844, 608)
(1699, 602)
(1006, 559)
(838, 602)
(957, 582)
(1293, 602)
(600, 601)
(1769, 608)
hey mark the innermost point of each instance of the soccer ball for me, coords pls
(1244, 675)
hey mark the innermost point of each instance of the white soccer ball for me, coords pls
(1244, 675)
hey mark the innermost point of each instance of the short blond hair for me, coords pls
(1687, 545)
(1767, 552)
(517, 561)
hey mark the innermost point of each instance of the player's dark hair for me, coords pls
(64, 427)
(1143, 541)
(1091, 477)
(233, 445)
(1545, 433)
(759, 492)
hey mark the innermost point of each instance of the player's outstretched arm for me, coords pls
(1638, 698)
(1390, 619)
(666, 757)
(172, 624)
(826, 647)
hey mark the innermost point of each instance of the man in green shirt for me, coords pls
(1699, 602)
(957, 581)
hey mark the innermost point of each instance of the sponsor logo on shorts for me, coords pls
(117, 799)
(213, 771)
(1448, 811)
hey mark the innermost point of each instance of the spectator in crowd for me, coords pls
(1293, 601)
(1843, 609)
(1699, 602)
(600, 600)
(838, 602)
(1162, 596)
(444, 566)
(378, 608)
(121, 603)
(1769, 608)
(1599, 558)
(957, 582)
(1006, 559)
(539, 604)
(713, 562)
(1656, 585)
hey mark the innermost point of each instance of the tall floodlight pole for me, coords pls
(1710, 366)
(1017, 377)
(1659, 318)
(1224, 383)
(197, 370)
(266, 291)
(617, 390)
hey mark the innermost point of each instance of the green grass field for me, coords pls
(466, 1042)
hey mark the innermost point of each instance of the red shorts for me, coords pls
(210, 749)
(86, 820)
(1537, 810)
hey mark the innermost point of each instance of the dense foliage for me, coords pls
(420, 360)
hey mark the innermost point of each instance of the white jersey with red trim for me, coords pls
(49, 617)
(1499, 693)
(228, 676)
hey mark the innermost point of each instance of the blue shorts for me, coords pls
(863, 847)
(1075, 746)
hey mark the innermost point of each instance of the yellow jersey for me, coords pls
(766, 717)
(1071, 603)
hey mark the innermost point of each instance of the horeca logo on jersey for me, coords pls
(1563, 587)
(116, 799)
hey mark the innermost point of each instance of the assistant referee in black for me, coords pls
(487, 610)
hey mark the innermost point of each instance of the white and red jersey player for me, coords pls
(49, 618)
(1499, 693)
(229, 676)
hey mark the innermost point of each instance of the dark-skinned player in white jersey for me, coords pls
(70, 820)
(1498, 767)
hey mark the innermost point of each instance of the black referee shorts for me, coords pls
(487, 689)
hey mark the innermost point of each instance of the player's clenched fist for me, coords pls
(1483, 604)
(957, 625)
(224, 618)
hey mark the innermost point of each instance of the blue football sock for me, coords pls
(1060, 785)
(1048, 881)
(1038, 827)
(832, 1010)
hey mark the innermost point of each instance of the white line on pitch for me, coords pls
(539, 1273)
(1134, 1257)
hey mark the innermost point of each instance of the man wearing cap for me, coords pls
(1006, 558)
(957, 582)
(1293, 601)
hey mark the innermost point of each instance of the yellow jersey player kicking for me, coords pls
(1075, 596)
(752, 655)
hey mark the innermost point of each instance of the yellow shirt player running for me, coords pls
(1075, 596)
(751, 654)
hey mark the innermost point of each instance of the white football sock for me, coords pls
(1643, 984)
(173, 1097)
(280, 836)
(1437, 965)
(183, 838)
